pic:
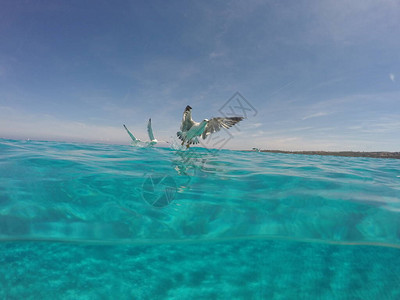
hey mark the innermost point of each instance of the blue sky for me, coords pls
(321, 75)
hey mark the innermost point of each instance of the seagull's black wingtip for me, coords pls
(188, 107)
(179, 135)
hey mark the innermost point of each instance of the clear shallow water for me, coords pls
(84, 221)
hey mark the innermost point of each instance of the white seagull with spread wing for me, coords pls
(137, 142)
(191, 130)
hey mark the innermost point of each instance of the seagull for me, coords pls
(137, 142)
(191, 130)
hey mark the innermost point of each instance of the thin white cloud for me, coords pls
(353, 101)
(216, 54)
(382, 125)
(316, 115)
(250, 126)
(392, 77)
(256, 125)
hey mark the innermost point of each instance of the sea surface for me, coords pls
(96, 221)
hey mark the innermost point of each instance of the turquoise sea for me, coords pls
(96, 221)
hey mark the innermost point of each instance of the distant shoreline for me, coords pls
(395, 155)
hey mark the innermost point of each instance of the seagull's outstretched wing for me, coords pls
(215, 124)
(150, 131)
(130, 134)
(187, 121)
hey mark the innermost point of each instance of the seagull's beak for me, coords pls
(188, 108)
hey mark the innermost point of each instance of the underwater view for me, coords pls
(90, 221)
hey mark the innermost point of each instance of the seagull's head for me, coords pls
(188, 107)
(204, 123)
